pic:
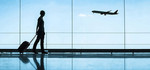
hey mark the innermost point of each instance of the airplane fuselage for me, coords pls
(105, 12)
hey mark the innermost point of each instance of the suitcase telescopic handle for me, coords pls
(32, 38)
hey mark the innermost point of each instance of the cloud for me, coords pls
(82, 15)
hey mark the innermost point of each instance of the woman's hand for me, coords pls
(37, 33)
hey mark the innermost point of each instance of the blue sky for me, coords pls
(58, 19)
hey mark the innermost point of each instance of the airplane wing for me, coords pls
(109, 11)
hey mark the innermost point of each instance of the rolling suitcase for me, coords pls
(24, 45)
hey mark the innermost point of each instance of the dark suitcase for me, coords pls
(24, 45)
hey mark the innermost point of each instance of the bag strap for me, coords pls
(32, 38)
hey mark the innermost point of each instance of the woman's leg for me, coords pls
(35, 44)
(42, 43)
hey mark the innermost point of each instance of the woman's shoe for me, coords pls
(44, 53)
(35, 52)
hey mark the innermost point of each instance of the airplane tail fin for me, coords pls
(116, 11)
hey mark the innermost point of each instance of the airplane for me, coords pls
(106, 12)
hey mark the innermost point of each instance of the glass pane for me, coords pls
(9, 20)
(9, 46)
(138, 39)
(57, 15)
(138, 46)
(137, 15)
(98, 46)
(59, 39)
(59, 46)
(137, 24)
(93, 41)
(9, 39)
(86, 21)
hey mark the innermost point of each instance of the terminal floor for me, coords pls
(75, 61)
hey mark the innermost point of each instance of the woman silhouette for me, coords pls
(40, 33)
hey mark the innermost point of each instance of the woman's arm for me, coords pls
(37, 27)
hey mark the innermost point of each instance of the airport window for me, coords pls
(71, 24)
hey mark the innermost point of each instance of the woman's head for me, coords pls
(42, 13)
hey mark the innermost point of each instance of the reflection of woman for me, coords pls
(39, 67)
(40, 33)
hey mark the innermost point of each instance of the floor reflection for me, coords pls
(65, 61)
(39, 66)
